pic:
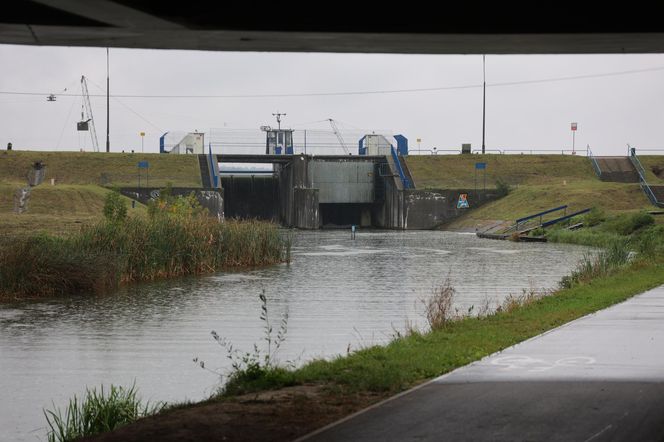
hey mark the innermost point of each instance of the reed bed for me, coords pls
(108, 254)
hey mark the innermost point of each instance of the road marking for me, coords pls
(534, 365)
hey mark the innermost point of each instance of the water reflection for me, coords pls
(338, 292)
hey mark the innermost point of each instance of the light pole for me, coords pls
(108, 115)
(142, 137)
(574, 126)
(483, 101)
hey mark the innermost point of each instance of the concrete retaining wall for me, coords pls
(428, 209)
(213, 200)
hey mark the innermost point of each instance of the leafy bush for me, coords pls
(502, 188)
(628, 223)
(115, 207)
(178, 206)
(594, 217)
(537, 232)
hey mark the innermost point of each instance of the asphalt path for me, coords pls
(598, 378)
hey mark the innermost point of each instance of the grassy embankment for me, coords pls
(78, 195)
(539, 182)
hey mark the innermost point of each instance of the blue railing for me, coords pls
(213, 169)
(563, 218)
(526, 218)
(402, 175)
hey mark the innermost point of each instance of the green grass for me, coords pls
(539, 182)
(97, 412)
(458, 171)
(650, 161)
(100, 168)
(77, 197)
(58, 210)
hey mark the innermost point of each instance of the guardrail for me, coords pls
(540, 214)
(563, 218)
(499, 151)
(643, 183)
(402, 175)
(593, 161)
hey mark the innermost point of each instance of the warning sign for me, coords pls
(463, 201)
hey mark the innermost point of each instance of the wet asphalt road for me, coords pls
(598, 378)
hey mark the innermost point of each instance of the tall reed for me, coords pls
(137, 249)
(97, 412)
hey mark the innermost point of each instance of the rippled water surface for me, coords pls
(338, 293)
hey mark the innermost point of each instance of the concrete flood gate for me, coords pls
(312, 192)
(305, 192)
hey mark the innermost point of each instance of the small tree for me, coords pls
(502, 187)
(115, 207)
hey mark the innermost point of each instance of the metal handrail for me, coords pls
(642, 181)
(540, 151)
(488, 150)
(589, 154)
(402, 175)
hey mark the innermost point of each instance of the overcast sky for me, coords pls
(611, 110)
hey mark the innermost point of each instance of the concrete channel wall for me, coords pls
(428, 209)
(213, 200)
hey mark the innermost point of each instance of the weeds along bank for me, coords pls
(176, 238)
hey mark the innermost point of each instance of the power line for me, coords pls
(130, 109)
(375, 92)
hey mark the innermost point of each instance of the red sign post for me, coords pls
(573, 140)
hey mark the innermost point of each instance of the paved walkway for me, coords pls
(600, 377)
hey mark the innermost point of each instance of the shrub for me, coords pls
(628, 223)
(594, 217)
(502, 188)
(115, 207)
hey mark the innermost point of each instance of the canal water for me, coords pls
(340, 294)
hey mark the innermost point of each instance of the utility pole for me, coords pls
(278, 115)
(483, 102)
(108, 107)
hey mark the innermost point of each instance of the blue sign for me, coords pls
(463, 201)
(143, 165)
(480, 166)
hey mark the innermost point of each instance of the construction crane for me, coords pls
(335, 129)
(86, 116)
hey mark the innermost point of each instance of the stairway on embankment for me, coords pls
(617, 169)
(205, 172)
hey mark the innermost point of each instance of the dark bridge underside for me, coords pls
(461, 28)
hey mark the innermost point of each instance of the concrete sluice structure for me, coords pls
(313, 192)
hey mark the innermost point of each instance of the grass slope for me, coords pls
(87, 168)
(539, 182)
(77, 198)
(54, 209)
